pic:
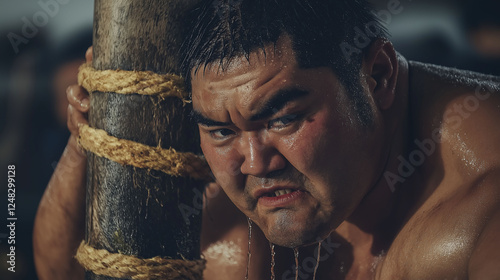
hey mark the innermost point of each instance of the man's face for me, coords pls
(284, 143)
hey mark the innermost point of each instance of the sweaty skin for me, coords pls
(415, 195)
(312, 153)
(434, 218)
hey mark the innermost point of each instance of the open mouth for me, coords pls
(279, 193)
(281, 197)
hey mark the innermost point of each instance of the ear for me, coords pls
(380, 69)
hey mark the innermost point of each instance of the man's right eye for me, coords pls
(221, 134)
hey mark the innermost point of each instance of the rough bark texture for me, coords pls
(130, 210)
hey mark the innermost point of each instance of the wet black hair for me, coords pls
(323, 33)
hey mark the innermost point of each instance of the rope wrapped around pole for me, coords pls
(102, 262)
(131, 82)
(143, 166)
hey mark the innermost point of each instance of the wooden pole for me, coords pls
(130, 210)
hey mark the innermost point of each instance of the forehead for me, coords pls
(272, 57)
(263, 70)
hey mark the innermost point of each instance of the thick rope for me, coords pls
(128, 152)
(130, 82)
(102, 262)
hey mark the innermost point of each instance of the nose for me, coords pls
(260, 156)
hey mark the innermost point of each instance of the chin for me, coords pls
(294, 235)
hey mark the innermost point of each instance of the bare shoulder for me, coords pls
(451, 233)
(465, 107)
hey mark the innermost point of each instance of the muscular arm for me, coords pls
(59, 224)
(60, 220)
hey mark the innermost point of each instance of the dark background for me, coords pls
(32, 129)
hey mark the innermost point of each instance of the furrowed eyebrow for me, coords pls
(198, 118)
(273, 105)
(278, 102)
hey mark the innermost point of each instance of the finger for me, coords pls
(71, 126)
(78, 97)
(89, 54)
(75, 120)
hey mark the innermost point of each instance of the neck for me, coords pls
(381, 206)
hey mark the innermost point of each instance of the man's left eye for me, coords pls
(282, 121)
(220, 134)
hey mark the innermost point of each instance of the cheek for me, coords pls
(222, 162)
(312, 147)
